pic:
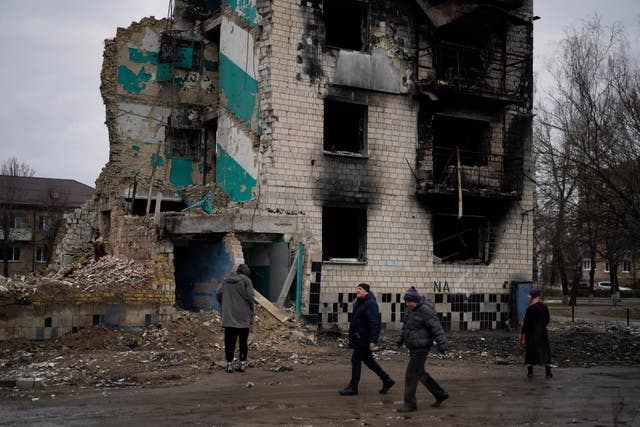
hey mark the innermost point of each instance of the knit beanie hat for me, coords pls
(244, 269)
(412, 295)
(364, 286)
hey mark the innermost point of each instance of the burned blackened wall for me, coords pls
(369, 181)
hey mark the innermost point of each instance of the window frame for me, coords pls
(359, 218)
(360, 114)
(40, 251)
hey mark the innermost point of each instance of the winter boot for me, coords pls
(547, 370)
(529, 371)
(439, 400)
(387, 383)
(229, 368)
(349, 391)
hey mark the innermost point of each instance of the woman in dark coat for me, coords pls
(534, 336)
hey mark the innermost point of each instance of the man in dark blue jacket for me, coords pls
(421, 327)
(364, 331)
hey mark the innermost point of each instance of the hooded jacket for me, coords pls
(236, 299)
(422, 327)
(364, 324)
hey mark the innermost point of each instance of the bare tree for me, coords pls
(589, 143)
(9, 198)
(13, 167)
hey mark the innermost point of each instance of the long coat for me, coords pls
(364, 326)
(536, 337)
(236, 299)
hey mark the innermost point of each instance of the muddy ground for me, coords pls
(172, 374)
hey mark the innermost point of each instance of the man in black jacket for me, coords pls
(420, 329)
(364, 331)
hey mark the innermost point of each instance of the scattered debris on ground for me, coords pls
(192, 345)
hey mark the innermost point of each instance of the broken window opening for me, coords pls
(347, 24)
(344, 232)
(210, 151)
(461, 239)
(455, 137)
(183, 143)
(178, 53)
(345, 126)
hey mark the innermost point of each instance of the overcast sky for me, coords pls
(51, 112)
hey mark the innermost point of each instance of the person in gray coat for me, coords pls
(420, 329)
(236, 301)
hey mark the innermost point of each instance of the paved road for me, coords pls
(481, 395)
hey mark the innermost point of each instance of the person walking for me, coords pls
(236, 301)
(364, 331)
(534, 336)
(420, 329)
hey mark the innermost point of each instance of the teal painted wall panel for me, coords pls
(136, 55)
(180, 173)
(232, 177)
(239, 89)
(153, 160)
(132, 82)
(246, 9)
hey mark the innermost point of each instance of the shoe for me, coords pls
(348, 391)
(229, 368)
(439, 401)
(407, 409)
(548, 373)
(386, 385)
(242, 366)
(529, 371)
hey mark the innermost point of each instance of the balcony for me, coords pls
(18, 235)
(481, 174)
(471, 71)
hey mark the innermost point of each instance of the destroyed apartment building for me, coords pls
(323, 143)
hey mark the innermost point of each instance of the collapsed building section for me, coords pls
(324, 143)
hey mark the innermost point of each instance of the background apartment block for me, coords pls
(31, 215)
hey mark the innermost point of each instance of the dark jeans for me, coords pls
(364, 355)
(230, 337)
(415, 372)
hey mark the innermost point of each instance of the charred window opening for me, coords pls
(344, 232)
(178, 54)
(461, 239)
(345, 127)
(181, 53)
(183, 143)
(346, 23)
(454, 136)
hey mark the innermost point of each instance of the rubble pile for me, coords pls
(190, 345)
(572, 345)
(86, 276)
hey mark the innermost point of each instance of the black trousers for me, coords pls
(415, 372)
(364, 355)
(231, 335)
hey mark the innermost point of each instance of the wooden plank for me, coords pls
(270, 307)
(287, 282)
